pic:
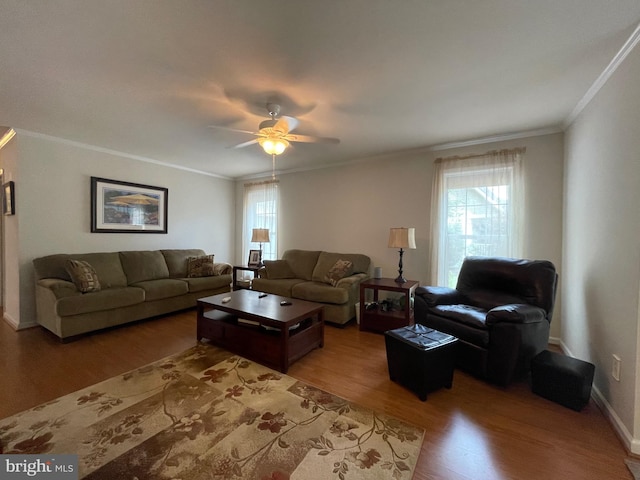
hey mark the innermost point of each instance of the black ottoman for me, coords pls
(564, 380)
(420, 358)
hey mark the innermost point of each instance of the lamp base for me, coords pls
(400, 278)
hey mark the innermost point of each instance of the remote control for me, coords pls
(262, 295)
(284, 303)
(226, 299)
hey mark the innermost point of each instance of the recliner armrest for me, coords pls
(434, 296)
(515, 313)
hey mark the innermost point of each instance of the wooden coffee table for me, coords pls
(260, 328)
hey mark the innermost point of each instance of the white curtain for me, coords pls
(260, 211)
(477, 208)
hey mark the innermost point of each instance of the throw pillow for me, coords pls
(83, 275)
(278, 269)
(340, 269)
(201, 266)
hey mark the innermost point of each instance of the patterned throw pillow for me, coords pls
(200, 266)
(340, 269)
(83, 276)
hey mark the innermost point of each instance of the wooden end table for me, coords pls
(242, 268)
(376, 318)
(257, 326)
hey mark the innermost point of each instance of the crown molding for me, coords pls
(419, 150)
(6, 138)
(617, 60)
(496, 138)
(116, 153)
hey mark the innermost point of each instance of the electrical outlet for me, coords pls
(615, 369)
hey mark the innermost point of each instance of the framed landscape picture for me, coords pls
(124, 207)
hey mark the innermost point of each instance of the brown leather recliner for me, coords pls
(500, 311)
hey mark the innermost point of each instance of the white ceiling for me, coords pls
(147, 77)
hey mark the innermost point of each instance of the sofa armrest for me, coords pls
(222, 268)
(355, 279)
(519, 313)
(60, 288)
(434, 296)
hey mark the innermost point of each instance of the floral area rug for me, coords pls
(209, 414)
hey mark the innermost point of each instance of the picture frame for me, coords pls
(254, 258)
(8, 198)
(125, 207)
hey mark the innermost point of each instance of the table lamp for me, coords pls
(402, 238)
(260, 235)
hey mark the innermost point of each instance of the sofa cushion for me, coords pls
(200, 266)
(341, 269)
(277, 287)
(162, 288)
(320, 292)
(488, 299)
(278, 269)
(83, 276)
(140, 266)
(303, 262)
(105, 299)
(106, 264)
(466, 314)
(176, 260)
(463, 331)
(327, 260)
(201, 284)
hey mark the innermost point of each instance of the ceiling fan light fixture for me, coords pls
(273, 146)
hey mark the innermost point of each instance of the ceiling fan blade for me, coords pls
(229, 129)
(310, 139)
(245, 144)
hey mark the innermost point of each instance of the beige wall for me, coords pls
(53, 208)
(10, 231)
(602, 243)
(350, 208)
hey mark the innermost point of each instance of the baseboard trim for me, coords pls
(11, 321)
(631, 444)
(17, 326)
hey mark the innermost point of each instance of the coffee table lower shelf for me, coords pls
(277, 348)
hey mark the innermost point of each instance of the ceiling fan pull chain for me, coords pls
(273, 166)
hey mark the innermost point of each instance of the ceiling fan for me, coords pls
(274, 135)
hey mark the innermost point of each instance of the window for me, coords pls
(260, 211)
(477, 210)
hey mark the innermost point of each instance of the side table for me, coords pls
(242, 268)
(379, 317)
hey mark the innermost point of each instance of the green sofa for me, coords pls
(304, 274)
(134, 285)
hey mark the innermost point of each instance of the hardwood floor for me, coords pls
(473, 431)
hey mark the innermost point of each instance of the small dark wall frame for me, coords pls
(125, 207)
(9, 198)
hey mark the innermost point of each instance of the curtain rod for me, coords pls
(512, 151)
(264, 182)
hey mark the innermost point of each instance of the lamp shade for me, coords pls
(260, 235)
(402, 237)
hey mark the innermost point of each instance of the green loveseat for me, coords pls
(304, 274)
(133, 285)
